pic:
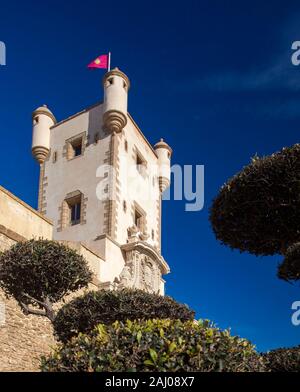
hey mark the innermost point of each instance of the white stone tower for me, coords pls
(101, 183)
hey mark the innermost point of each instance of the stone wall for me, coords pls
(5, 242)
(23, 339)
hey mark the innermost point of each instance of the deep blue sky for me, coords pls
(214, 78)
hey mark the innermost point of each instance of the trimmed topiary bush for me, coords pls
(83, 313)
(258, 210)
(40, 273)
(283, 360)
(155, 345)
(289, 269)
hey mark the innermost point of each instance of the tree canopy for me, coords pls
(258, 209)
(40, 273)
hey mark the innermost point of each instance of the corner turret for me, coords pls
(43, 119)
(164, 153)
(116, 85)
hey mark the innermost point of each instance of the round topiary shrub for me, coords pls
(83, 313)
(289, 269)
(258, 210)
(40, 273)
(155, 345)
(283, 360)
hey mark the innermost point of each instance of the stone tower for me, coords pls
(101, 183)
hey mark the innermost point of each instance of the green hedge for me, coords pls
(84, 313)
(283, 360)
(155, 345)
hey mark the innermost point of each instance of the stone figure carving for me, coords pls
(133, 234)
(143, 236)
(125, 277)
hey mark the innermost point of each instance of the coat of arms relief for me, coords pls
(144, 265)
(140, 272)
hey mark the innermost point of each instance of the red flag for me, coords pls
(99, 62)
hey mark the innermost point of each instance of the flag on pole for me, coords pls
(99, 62)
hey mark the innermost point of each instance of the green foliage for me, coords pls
(41, 273)
(258, 210)
(283, 360)
(83, 313)
(155, 345)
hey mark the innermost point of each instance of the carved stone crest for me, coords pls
(143, 268)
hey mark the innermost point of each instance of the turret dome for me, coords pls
(44, 110)
(163, 144)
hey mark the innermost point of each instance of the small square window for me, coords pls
(75, 147)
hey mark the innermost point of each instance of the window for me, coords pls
(138, 220)
(75, 146)
(126, 145)
(140, 164)
(75, 209)
(124, 206)
(36, 120)
(109, 82)
(72, 210)
(54, 156)
(152, 234)
(75, 213)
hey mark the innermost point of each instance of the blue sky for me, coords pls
(214, 78)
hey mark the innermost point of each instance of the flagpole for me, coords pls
(109, 57)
